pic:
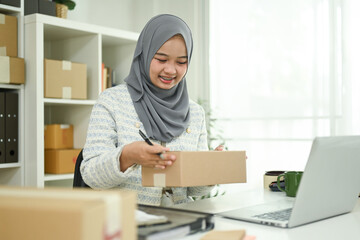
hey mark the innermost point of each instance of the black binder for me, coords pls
(2, 127)
(14, 3)
(181, 223)
(11, 127)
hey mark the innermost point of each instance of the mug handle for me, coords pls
(278, 182)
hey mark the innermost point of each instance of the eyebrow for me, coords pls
(165, 55)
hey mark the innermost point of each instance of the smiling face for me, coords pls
(169, 64)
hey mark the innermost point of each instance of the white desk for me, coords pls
(345, 226)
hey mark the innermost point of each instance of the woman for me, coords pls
(154, 99)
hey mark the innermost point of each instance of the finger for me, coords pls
(164, 162)
(158, 149)
(167, 156)
(159, 166)
(219, 148)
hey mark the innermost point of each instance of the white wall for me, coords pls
(351, 65)
(132, 15)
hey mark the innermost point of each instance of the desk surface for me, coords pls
(345, 226)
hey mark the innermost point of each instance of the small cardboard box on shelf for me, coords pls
(65, 79)
(8, 36)
(59, 136)
(59, 213)
(12, 70)
(198, 168)
(60, 161)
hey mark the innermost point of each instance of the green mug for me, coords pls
(292, 182)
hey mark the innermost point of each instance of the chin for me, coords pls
(167, 85)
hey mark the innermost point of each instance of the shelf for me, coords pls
(56, 177)
(54, 38)
(11, 86)
(57, 29)
(13, 174)
(55, 101)
(9, 9)
(10, 165)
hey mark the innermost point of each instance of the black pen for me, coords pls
(145, 138)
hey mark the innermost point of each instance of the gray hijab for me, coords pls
(163, 112)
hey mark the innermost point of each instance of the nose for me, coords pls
(170, 68)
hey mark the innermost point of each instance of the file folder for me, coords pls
(2, 127)
(11, 127)
(181, 223)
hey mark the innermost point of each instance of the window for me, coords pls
(275, 79)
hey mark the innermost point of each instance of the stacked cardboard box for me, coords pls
(64, 79)
(54, 213)
(12, 68)
(60, 157)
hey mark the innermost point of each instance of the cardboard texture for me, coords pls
(59, 161)
(64, 79)
(8, 36)
(12, 70)
(224, 234)
(198, 168)
(57, 214)
(59, 136)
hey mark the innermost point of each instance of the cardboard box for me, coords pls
(64, 79)
(198, 168)
(12, 70)
(59, 161)
(14, 3)
(57, 214)
(8, 36)
(58, 136)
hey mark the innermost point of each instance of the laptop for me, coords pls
(330, 186)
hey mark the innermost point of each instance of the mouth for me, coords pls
(166, 80)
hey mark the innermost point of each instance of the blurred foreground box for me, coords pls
(58, 214)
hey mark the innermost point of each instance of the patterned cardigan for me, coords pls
(115, 123)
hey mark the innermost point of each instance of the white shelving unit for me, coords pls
(13, 173)
(61, 39)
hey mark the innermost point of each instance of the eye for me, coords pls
(182, 62)
(161, 60)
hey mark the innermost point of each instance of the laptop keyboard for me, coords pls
(281, 215)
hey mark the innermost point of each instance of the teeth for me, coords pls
(167, 79)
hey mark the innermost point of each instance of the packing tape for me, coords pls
(4, 69)
(159, 180)
(66, 65)
(64, 126)
(2, 51)
(66, 92)
(2, 18)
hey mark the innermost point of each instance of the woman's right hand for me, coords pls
(141, 153)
